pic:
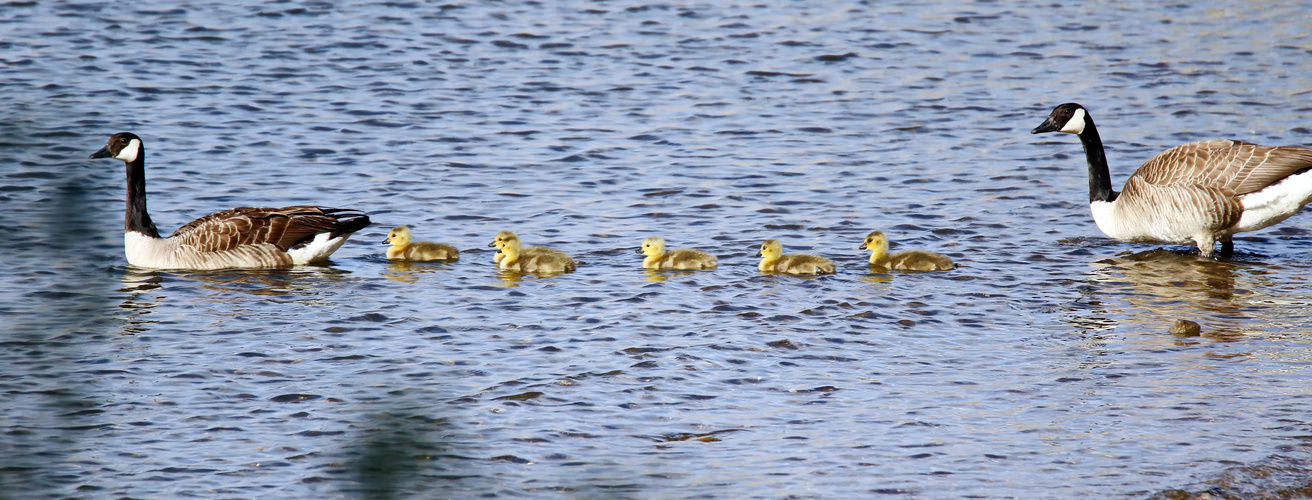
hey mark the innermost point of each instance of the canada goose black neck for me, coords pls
(128, 147)
(1100, 179)
(136, 218)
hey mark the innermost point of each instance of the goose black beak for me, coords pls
(639, 251)
(494, 243)
(758, 254)
(862, 247)
(1047, 126)
(387, 241)
(103, 153)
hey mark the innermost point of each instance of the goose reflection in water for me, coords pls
(145, 289)
(1150, 290)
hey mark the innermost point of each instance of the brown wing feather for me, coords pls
(282, 227)
(1237, 166)
(1196, 206)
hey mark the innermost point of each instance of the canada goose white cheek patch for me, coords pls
(130, 152)
(1076, 124)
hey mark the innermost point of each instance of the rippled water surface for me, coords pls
(1043, 367)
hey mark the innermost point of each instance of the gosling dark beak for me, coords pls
(758, 253)
(103, 153)
(494, 243)
(387, 241)
(639, 251)
(862, 247)
(1047, 126)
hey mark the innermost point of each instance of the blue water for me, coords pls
(1042, 368)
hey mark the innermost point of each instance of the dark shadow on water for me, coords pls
(61, 306)
(400, 452)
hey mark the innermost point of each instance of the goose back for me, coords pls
(284, 228)
(1237, 166)
(249, 237)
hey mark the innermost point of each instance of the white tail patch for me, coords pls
(1076, 124)
(130, 152)
(1275, 203)
(317, 250)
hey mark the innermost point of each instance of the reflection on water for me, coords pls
(410, 272)
(662, 275)
(1148, 291)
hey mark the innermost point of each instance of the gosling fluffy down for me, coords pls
(536, 260)
(404, 249)
(914, 260)
(683, 258)
(503, 236)
(773, 260)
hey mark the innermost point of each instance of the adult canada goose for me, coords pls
(1201, 192)
(403, 249)
(912, 260)
(538, 260)
(773, 260)
(246, 237)
(683, 258)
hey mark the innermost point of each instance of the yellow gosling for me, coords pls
(404, 249)
(914, 260)
(503, 236)
(537, 260)
(683, 258)
(773, 260)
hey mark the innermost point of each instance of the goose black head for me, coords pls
(124, 146)
(1070, 118)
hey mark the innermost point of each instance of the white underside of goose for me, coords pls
(1263, 208)
(1129, 229)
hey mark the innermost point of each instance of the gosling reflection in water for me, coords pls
(410, 271)
(662, 275)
